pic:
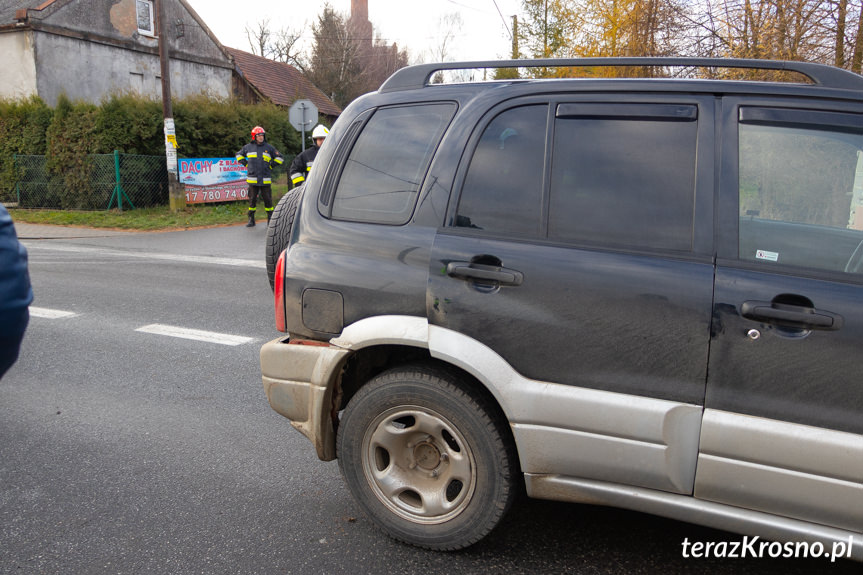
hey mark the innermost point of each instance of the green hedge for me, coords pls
(23, 130)
(71, 131)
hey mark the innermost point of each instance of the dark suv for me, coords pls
(644, 293)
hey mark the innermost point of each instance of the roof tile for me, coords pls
(281, 83)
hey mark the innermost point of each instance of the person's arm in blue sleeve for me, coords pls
(15, 292)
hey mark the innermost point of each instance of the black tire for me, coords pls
(426, 458)
(279, 230)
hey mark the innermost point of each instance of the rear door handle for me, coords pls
(483, 272)
(791, 315)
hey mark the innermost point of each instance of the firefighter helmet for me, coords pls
(320, 131)
(257, 130)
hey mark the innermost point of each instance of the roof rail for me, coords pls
(418, 76)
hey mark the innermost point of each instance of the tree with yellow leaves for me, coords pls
(588, 28)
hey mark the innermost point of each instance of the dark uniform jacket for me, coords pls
(258, 159)
(15, 292)
(302, 164)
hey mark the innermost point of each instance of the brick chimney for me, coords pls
(360, 26)
(360, 10)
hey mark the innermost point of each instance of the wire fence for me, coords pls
(97, 182)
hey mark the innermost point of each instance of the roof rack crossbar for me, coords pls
(418, 76)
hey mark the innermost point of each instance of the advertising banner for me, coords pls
(213, 180)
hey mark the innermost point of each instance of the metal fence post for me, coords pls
(118, 187)
(17, 179)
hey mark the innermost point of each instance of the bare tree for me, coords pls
(857, 58)
(827, 31)
(812, 30)
(283, 45)
(841, 19)
(449, 26)
(259, 37)
(286, 47)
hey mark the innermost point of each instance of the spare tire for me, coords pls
(279, 230)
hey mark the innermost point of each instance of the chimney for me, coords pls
(360, 10)
(21, 17)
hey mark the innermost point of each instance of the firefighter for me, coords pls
(302, 164)
(259, 156)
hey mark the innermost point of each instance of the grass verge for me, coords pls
(149, 219)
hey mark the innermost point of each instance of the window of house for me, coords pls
(624, 175)
(136, 82)
(801, 190)
(382, 176)
(145, 17)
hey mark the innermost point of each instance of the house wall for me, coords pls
(91, 71)
(18, 72)
(92, 49)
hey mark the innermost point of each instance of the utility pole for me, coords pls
(515, 37)
(176, 197)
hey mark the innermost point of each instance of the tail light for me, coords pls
(279, 293)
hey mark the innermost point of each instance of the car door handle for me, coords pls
(791, 315)
(482, 272)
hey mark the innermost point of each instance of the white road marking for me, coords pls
(196, 334)
(147, 255)
(50, 313)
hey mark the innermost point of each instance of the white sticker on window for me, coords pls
(765, 255)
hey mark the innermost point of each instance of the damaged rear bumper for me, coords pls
(299, 380)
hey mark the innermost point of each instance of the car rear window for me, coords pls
(386, 166)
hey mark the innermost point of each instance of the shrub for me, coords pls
(23, 128)
(73, 131)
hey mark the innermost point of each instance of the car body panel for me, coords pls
(783, 468)
(629, 375)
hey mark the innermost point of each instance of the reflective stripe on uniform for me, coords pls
(279, 160)
(252, 209)
(266, 209)
(267, 157)
(297, 178)
(252, 155)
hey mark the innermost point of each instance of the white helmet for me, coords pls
(320, 131)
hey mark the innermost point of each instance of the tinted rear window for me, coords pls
(387, 164)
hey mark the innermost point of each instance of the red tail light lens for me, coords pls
(279, 293)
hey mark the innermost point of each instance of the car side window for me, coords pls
(801, 193)
(386, 166)
(502, 192)
(624, 175)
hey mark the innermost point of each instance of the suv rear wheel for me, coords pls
(279, 230)
(426, 458)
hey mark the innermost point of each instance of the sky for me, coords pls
(413, 24)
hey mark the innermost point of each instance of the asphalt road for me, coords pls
(125, 451)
